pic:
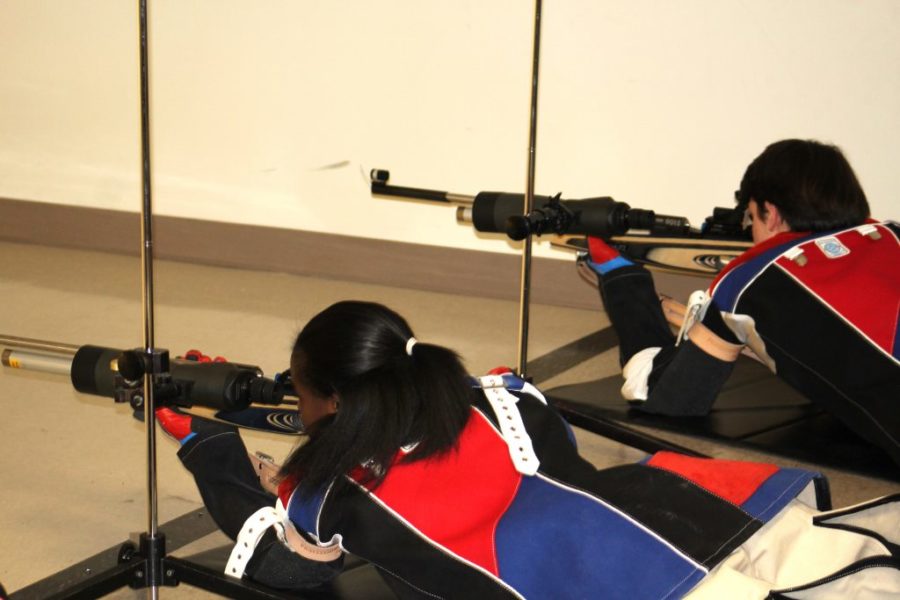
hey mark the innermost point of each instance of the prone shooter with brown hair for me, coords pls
(816, 299)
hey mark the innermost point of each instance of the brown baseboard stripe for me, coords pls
(364, 260)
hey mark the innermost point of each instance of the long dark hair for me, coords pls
(812, 184)
(388, 398)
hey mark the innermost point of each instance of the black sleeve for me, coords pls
(685, 381)
(231, 491)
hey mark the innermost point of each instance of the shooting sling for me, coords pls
(255, 526)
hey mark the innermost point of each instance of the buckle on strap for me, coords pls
(511, 382)
(870, 231)
(492, 381)
(512, 428)
(796, 254)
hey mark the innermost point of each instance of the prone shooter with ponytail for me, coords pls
(387, 390)
(453, 487)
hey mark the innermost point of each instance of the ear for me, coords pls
(333, 403)
(774, 220)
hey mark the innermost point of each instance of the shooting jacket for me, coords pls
(820, 310)
(514, 512)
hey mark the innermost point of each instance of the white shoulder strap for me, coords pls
(248, 538)
(511, 425)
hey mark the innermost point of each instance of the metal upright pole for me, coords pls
(525, 291)
(147, 282)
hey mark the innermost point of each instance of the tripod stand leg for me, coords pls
(94, 577)
(128, 565)
(193, 573)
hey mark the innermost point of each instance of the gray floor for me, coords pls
(74, 466)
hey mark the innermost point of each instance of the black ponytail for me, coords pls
(388, 398)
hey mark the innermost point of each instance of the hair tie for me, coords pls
(409, 345)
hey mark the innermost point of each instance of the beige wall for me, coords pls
(271, 112)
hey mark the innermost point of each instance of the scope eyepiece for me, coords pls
(262, 390)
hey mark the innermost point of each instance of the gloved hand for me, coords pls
(177, 424)
(603, 257)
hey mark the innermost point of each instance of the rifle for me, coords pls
(661, 242)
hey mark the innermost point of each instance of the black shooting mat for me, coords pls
(755, 409)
